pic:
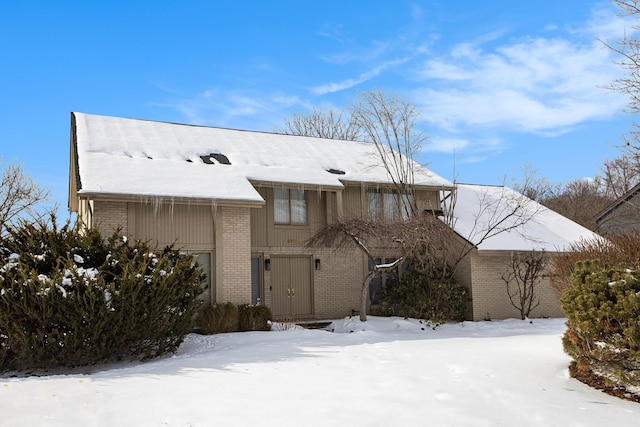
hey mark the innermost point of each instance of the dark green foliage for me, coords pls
(254, 317)
(603, 318)
(428, 294)
(70, 299)
(218, 319)
(223, 318)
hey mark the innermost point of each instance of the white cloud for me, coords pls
(444, 145)
(537, 85)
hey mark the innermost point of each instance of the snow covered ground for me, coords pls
(385, 372)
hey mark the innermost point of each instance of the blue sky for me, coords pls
(501, 84)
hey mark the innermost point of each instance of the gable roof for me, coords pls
(119, 156)
(617, 203)
(479, 207)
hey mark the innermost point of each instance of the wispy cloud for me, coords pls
(466, 150)
(351, 82)
(235, 109)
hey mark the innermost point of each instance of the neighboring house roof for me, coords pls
(119, 156)
(617, 203)
(479, 208)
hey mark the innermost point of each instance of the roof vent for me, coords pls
(336, 171)
(213, 158)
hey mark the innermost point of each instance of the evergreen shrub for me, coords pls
(228, 317)
(70, 298)
(603, 318)
(428, 293)
(218, 319)
(254, 318)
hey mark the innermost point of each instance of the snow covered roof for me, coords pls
(119, 156)
(519, 223)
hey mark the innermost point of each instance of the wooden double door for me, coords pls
(291, 286)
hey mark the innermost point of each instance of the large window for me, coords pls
(386, 204)
(290, 206)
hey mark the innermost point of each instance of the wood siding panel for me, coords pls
(352, 202)
(186, 225)
(259, 221)
(283, 235)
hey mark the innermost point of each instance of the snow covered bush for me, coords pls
(425, 293)
(603, 319)
(70, 298)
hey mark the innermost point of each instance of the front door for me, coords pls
(291, 288)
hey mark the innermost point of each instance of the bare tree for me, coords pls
(534, 186)
(580, 200)
(620, 175)
(330, 123)
(495, 213)
(19, 195)
(628, 50)
(363, 234)
(390, 122)
(524, 273)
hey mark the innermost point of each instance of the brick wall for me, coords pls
(338, 282)
(109, 216)
(490, 299)
(233, 245)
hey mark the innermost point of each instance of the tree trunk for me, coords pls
(364, 294)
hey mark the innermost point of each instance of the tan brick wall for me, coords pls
(109, 216)
(490, 299)
(233, 253)
(338, 282)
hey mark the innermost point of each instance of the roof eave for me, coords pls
(251, 203)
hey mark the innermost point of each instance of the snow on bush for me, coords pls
(69, 298)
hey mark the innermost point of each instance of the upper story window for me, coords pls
(289, 206)
(388, 205)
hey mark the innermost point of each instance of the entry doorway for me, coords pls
(291, 286)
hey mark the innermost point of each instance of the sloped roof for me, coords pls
(480, 207)
(146, 158)
(617, 203)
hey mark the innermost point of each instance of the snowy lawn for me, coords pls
(385, 372)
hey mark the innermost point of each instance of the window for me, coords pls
(385, 277)
(386, 204)
(289, 206)
(203, 259)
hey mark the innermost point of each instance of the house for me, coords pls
(498, 223)
(622, 215)
(244, 204)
